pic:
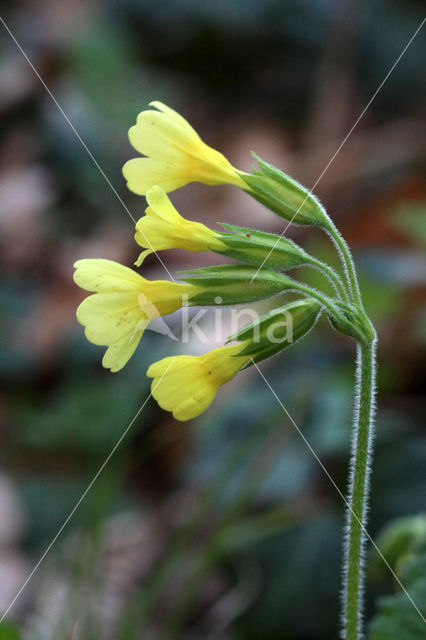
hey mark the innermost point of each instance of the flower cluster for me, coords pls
(123, 302)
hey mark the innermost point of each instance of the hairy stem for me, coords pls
(360, 467)
(332, 276)
(347, 261)
(314, 293)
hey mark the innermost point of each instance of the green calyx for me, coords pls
(284, 195)
(278, 329)
(262, 249)
(235, 284)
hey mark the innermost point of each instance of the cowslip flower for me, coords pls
(187, 385)
(176, 155)
(164, 228)
(122, 305)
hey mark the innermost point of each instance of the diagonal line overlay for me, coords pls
(339, 492)
(84, 145)
(345, 139)
(83, 495)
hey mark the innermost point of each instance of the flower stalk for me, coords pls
(332, 277)
(347, 261)
(360, 469)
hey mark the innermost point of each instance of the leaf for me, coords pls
(398, 617)
(399, 541)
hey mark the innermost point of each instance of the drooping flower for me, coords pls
(187, 385)
(176, 155)
(122, 306)
(164, 228)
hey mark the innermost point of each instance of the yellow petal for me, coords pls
(120, 352)
(164, 228)
(176, 154)
(160, 204)
(187, 385)
(179, 386)
(109, 316)
(172, 113)
(151, 232)
(142, 256)
(159, 136)
(159, 368)
(123, 304)
(113, 319)
(157, 228)
(142, 173)
(194, 406)
(167, 296)
(96, 274)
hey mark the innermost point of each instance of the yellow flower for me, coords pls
(187, 385)
(164, 228)
(175, 154)
(122, 306)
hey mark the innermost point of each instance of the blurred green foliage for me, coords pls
(9, 631)
(403, 543)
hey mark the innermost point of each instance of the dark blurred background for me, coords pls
(225, 527)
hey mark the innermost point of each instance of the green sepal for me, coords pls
(235, 284)
(278, 329)
(262, 248)
(284, 195)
